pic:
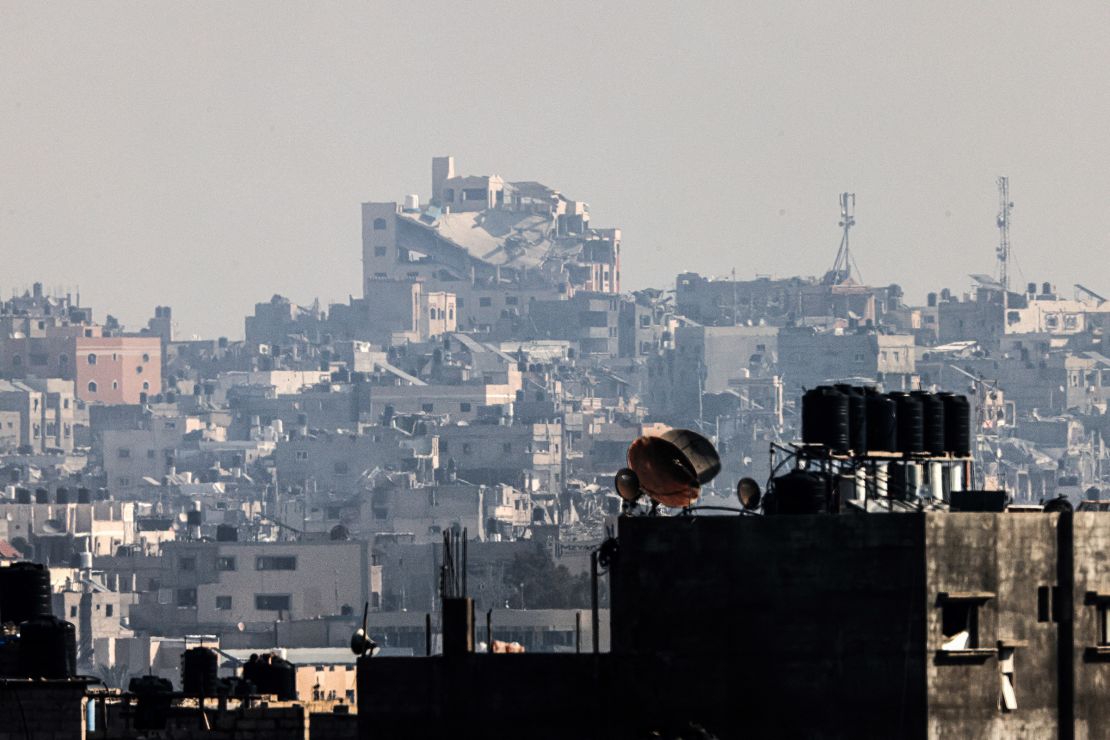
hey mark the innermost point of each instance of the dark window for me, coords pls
(1104, 623)
(124, 452)
(427, 407)
(189, 563)
(108, 610)
(957, 618)
(485, 302)
(379, 251)
(275, 562)
(225, 563)
(510, 300)
(464, 406)
(340, 467)
(223, 603)
(186, 597)
(1044, 604)
(507, 447)
(92, 359)
(273, 602)
(379, 224)
(150, 454)
(73, 611)
(92, 386)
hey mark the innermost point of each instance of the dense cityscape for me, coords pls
(283, 491)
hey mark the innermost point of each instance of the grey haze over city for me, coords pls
(209, 155)
(623, 370)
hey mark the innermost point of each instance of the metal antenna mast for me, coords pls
(842, 268)
(1004, 208)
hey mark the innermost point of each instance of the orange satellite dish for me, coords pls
(672, 467)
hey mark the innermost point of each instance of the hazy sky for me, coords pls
(209, 155)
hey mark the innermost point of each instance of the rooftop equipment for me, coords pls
(670, 468)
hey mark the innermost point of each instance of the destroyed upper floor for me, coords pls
(484, 229)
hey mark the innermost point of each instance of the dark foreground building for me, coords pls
(938, 625)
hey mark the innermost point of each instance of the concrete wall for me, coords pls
(801, 616)
(1091, 664)
(1007, 557)
(44, 710)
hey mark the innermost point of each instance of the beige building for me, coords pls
(215, 586)
(57, 531)
(129, 455)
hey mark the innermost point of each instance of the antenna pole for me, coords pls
(1005, 206)
(842, 267)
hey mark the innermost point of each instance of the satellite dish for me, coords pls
(627, 485)
(241, 626)
(672, 467)
(361, 644)
(747, 490)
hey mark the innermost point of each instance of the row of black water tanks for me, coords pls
(47, 646)
(265, 674)
(844, 418)
(61, 496)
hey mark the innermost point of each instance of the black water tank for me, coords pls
(898, 482)
(47, 648)
(193, 518)
(800, 492)
(154, 698)
(857, 418)
(227, 533)
(42, 496)
(882, 422)
(932, 416)
(272, 675)
(23, 496)
(911, 423)
(62, 495)
(825, 418)
(989, 501)
(83, 496)
(199, 668)
(957, 424)
(24, 592)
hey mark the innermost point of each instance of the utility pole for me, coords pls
(1004, 207)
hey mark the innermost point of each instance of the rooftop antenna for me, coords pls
(1005, 205)
(844, 265)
